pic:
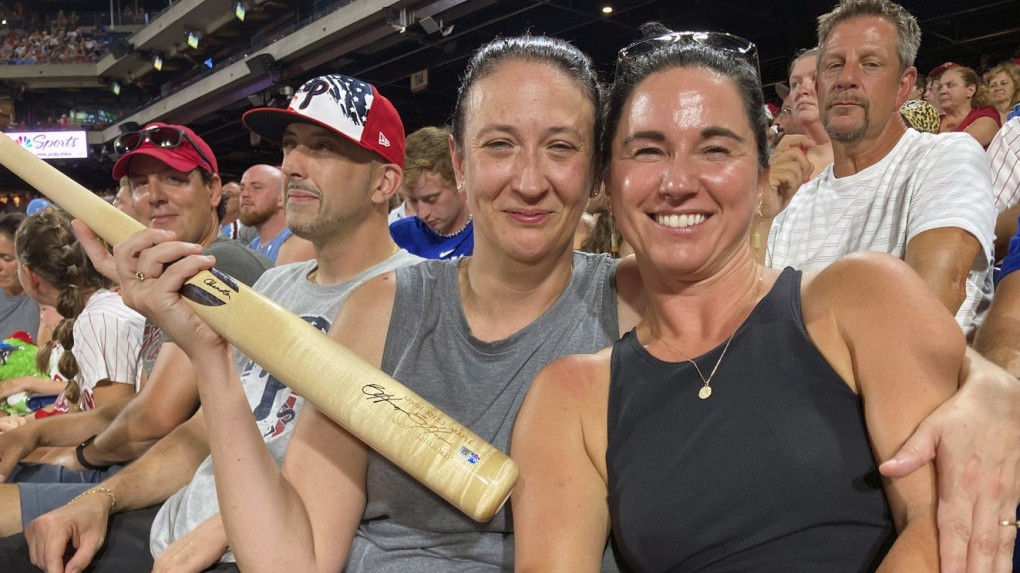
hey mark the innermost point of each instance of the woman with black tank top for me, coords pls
(737, 427)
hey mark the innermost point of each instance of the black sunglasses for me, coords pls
(718, 40)
(160, 136)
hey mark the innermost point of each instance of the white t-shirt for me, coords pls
(1004, 158)
(926, 182)
(107, 346)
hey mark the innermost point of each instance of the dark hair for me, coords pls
(207, 179)
(9, 223)
(46, 244)
(559, 54)
(687, 55)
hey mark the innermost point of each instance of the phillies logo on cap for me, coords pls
(340, 102)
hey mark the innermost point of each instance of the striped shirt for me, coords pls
(926, 182)
(107, 346)
(1004, 158)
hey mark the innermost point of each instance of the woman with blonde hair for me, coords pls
(1004, 89)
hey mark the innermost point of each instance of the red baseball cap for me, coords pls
(938, 71)
(344, 105)
(185, 157)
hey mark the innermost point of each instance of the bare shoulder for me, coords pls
(862, 275)
(577, 381)
(363, 320)
(875, 294)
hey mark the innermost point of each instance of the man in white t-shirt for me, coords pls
(924, 198)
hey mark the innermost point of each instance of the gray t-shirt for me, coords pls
(429, 348)
(240, 262)
(274, 405)
(18, 313)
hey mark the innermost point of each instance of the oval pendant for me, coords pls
(705, 392)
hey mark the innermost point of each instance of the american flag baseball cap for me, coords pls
(342, 104)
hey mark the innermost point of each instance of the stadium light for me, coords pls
(239, 11)
(116, 88)
(157, 62)
(193, 40)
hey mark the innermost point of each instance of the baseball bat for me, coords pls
(432, 447)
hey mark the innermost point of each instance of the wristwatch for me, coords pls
(79, 452)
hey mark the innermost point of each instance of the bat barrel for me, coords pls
(435, 449)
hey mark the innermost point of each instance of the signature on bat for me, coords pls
(377, 394)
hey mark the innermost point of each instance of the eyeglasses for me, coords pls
(718, 40)
(160, 136)
(785, 111)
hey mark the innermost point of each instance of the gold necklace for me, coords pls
(706, 389)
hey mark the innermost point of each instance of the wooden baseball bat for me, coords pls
(435, 449)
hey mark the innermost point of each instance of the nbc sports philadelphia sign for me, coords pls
(53, 144)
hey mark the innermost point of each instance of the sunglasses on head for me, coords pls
(161, 136)
(718, 40)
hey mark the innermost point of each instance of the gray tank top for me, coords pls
(430, 349)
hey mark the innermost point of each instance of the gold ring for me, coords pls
(139, 276)
(1010, 523)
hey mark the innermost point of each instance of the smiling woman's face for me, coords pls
(684, 179)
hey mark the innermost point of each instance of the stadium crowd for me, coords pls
(714, 333)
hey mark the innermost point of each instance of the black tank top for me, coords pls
(773, 472)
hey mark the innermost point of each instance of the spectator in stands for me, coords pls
(999, 337)
(931, 92)
(965, 104)
(632, 437)
(339, 187)
(1004, 160)
(180, 186)
(923, 198)
(230, 226)
(442, 228)
(18, 311)
(95, 354)
(262, 210)
(806, 111)
(917, 93)
(1004, 88)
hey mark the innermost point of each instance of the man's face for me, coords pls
(328, 182)
(231, 193)
(859, 83)
(438, 203)
(176, 201)
(261, 194)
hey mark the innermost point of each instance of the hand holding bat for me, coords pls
(465, 470)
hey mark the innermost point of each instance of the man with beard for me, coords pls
(924, 198)
(262, 209)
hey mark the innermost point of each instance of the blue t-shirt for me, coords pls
(272, 248)
(1012, 260)
(412, 234)
(1015, 112)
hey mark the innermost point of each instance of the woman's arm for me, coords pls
(983, 130)
(31, 384)
(561, 516)
(880, 326)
